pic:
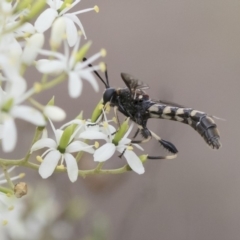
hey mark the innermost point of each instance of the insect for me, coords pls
(133, 102)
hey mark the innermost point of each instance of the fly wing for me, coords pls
(133, 84)
(173, 104)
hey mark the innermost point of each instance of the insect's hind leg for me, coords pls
(167, 145)
(147, 135)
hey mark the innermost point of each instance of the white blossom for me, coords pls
(54, 11)
(54, 154)
(107, 150)
(54, 113)
(76, 71)
(10, 109)
(7, 201)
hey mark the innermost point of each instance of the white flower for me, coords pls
(6, 205)
(54, 113)
(10, 109)
(1, 130)
(107, 150)
(7, 200)
(76, 71)
(54, 11)
(54, 153)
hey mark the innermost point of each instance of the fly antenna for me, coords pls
(90, 65)
(106, 75)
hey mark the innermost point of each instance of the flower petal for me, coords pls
(49, 164)
(72, 167)
(1, 130)
(74, 85)
(50, 66)
(134, 162)
(42, 143)
(90, 78)
(92, 135)
(71, 31)
(77, 21)
(28, 114)
(34, 43)
(54, 113)
(9, 135)
(45, 20)
(104, 152)
(77, 146)
(138, 146)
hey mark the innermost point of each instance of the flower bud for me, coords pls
(57, 33)
(34, 43)
(82, 51)
(20, 189)
(121, 131)
(65, 138)
(97, 112)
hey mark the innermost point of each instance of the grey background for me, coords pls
(189, 53)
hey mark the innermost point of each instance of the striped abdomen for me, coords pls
(200, 121)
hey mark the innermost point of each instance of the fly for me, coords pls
(133, 102)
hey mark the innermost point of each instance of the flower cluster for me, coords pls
(20, 44)
(21, 48)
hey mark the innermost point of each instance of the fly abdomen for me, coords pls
(200, 121)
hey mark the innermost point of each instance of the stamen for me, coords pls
(4, 222)
(105, 124)
(115, 120)
(129, 148)
(102, 66)
(37, 87)
(96, 144)
(96, 8)
(11, 208)
(103, 52)
(61, 167)
(39, 159)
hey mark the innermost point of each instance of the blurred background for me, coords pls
(188, 52)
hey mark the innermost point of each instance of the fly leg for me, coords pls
(147, 135)
(167, 145)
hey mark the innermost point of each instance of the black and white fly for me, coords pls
(133, 102)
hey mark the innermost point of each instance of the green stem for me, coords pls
(36, 136)
(36, 104)
(10, 183)
(54, 82)
(5, 190)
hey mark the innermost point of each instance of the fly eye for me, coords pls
(108, 94)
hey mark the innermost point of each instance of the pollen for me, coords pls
(61, 167)
(9, 195)
(21, 175)
(108, 108)
(39, 158)
(103, 52)
(4, 222)
(129, 148)
(105, 124)
(102, 66)
(37, 87)
(101, 106)
(96, 144)
(11, 208)
(96, 9)
(115, 120)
